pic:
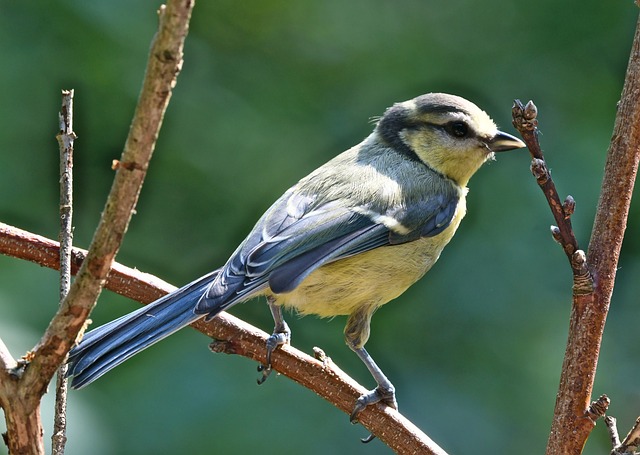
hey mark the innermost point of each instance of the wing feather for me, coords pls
(299, 234)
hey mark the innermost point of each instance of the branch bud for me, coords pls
(530, 111)
(540, 171)
(569, 206)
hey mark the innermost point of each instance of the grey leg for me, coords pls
(385, 391)
(281, 335)
(356, 335)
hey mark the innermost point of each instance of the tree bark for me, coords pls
(573, 420)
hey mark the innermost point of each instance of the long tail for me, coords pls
(109, 345)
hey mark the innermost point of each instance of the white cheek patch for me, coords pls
(485, 125)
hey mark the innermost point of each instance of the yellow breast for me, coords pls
(371, 278)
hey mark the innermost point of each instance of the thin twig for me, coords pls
(526, 122)
(612, 428)
(66, 138)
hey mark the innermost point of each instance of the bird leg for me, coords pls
(385, 391)
(356, 335)
(281, 335)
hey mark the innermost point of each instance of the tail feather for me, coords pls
(107, 346)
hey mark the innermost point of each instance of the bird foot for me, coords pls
(377, 395)
(275, 340)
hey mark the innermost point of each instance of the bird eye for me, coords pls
(457, 129)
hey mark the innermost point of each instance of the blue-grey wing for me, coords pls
(424, 218)
(297, 235)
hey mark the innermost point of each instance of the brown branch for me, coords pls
(619, 177)
(40, 250)
(234, 336)
(589, 313)
(594, 274)
(575, 369)
(165, 62)
(21, 398)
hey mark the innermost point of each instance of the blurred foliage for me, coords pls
(269, 91)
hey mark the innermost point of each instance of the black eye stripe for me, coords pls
(458, 128)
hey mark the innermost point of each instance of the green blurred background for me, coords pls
(269, 91)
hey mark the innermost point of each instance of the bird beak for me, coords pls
(502, 142)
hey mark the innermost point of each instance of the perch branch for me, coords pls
(234, 336)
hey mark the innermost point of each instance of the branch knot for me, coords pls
(598, 408)
(582, 279)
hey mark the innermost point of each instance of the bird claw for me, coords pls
(368, 439)
(377, 395)
(275, 340)
(266, 371)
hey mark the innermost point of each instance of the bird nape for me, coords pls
(346, 239)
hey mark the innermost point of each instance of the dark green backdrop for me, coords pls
(270, 90)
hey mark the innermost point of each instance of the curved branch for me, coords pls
(234, 336)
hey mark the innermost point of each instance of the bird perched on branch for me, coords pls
(348, 238)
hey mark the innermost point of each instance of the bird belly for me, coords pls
(371, 278)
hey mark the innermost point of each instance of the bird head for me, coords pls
(449, 134)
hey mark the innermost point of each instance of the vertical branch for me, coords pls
(619, 177)
(594, 274)
(164, 64)
(577, 372)
(66, 138)
(20, 393)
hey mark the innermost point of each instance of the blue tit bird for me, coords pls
(351, 236)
